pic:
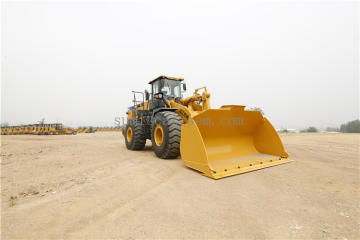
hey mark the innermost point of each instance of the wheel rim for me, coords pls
(129, 134)
(159, 135)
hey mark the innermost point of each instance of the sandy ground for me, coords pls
(91, 186)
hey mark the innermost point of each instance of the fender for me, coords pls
(156, 111)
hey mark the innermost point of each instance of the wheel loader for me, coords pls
(216, 142)
(90, 130)
(4, 130)
(13, 130)
(67, 131)
(55, 129)
(21, 130)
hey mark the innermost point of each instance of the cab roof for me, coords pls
(166, 77)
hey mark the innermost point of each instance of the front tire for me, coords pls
(166, 135)
(134, 130)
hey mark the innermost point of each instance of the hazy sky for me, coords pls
(79, 61)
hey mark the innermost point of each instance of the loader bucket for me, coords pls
(230, 140)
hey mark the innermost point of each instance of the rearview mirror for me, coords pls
(147, 95)
(184, 86)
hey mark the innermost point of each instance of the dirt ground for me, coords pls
(91, 186)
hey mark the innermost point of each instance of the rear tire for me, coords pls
(168, 146)
(123, 130)
(134, 130)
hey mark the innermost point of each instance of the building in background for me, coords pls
(292, 130)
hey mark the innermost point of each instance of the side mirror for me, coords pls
(147, 95)
(184, 86)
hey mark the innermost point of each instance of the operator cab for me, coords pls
(58, 126)
(170, 87)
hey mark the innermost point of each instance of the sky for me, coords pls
(78, 62)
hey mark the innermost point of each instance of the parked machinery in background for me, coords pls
(38, 129)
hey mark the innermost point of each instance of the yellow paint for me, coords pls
(230, 141)
(159, 135)
(129, 134)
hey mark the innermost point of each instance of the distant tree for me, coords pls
(302, 131)
(351, 127)
(330, 129)
(343, 128)
(257, 109)
(311, 129)
(285, 130)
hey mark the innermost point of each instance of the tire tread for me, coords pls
(172, 148)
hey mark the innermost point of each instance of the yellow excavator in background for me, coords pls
(217, 142)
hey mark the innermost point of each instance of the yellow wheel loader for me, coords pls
(36, 129)
(4, 130)
(14, 130)
(217, 142)
(8, 130)
(85, 130)
(55, 129)
(67, 131)
(27, 129)
(21, 130)
(90, 130)
(80, 129)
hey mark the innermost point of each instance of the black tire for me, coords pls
(123, 131)
(137, 129)
(171, 127)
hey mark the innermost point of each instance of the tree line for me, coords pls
(349, 127)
